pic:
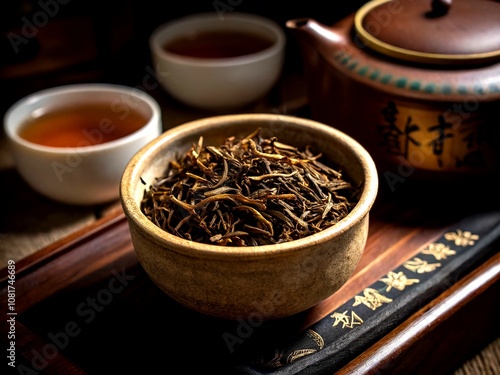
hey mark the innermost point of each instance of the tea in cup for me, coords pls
(71, 143)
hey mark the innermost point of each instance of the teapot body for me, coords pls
(418, 121)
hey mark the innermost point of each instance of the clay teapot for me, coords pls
(417, 82)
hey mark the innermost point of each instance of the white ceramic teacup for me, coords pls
(90, 172)
(218, 83)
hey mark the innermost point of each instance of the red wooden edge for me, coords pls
(63, 245)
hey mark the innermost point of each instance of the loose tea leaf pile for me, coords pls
(248, 192)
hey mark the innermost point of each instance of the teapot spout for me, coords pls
(309, 30)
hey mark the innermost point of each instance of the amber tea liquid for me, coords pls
(81, 125)
(218, 44)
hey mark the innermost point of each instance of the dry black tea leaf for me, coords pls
(248, 192)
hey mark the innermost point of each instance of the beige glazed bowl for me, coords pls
(265, 282)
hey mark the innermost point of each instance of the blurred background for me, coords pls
(45, 43)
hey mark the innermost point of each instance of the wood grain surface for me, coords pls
(52, 283)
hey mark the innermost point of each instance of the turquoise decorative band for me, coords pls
(387, 78)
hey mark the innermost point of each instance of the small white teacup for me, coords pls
(218, 64)
(71, 143)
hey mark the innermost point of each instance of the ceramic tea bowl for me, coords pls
(78, 153)
(232, 78)
(269, 281)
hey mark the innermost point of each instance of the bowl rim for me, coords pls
(132, 211)
(12, 131)
(155, 44)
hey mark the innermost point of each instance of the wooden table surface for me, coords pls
(52, 283)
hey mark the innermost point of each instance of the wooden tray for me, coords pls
(84, 305)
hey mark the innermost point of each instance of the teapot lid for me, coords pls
(432, 31)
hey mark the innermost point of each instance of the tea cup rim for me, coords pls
(262, 22)
(12, 128)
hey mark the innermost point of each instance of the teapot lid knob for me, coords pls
(465, 32)
(440, 7)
